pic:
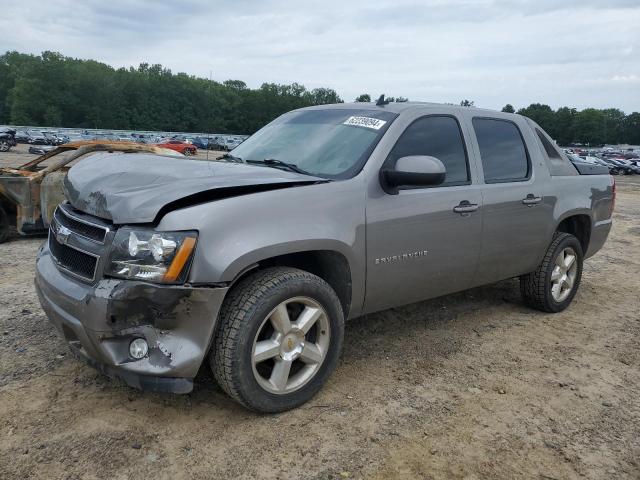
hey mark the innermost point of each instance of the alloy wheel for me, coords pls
(290, 345)
(563, 275)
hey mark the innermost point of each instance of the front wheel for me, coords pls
(279, 339)
(4, 146)
(552, 286)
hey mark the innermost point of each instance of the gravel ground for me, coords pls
(472, 385)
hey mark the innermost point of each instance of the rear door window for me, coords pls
(502, 150)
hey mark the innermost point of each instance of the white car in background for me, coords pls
(231, 143)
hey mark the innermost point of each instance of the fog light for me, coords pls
(138, 348)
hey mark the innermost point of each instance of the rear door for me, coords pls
(517, 210)
(424, 242)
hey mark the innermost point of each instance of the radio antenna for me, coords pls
(381, 101)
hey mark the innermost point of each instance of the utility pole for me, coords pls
(210, 113)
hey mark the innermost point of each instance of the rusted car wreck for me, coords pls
(30, 193)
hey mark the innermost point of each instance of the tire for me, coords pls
(4, 146)
(539, 289)
(250, 312)
(5, 230)
(186, 152)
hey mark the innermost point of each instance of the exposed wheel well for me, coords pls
(9, 208)
(578, 226)
(331, 266)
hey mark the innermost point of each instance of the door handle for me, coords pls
(530, 200)
(465, 207)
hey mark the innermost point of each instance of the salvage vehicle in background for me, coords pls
(201, 143)
(52, 138)
(7, 139)
(22, 136)
(30, 193)
(229, 144)
(37, 138)
(154, 266)
(631, 165)
(614, 168)
(623, 168)
(40, 149)
(181, 146)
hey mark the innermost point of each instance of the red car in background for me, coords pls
(179, 146)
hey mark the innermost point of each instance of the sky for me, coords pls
(578, 53)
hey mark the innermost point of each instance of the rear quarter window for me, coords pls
(557, 162)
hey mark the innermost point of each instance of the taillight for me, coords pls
(613, 199)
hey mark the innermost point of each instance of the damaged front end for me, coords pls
(117, 286)
(100, 318)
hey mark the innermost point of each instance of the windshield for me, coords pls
(331, 143)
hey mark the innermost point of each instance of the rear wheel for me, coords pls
(553, 285)
(279, 339)
(186, 152)
(4, 146)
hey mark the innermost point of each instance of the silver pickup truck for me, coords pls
(253, 263)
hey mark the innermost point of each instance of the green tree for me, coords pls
(508, 108)
(543, 115)
(590, 127)
(614, 125)
(365, 97)
(631, 129)
(54, 90)
(323, 96)
(466, 103)
(564, 130)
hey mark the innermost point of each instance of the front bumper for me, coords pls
(99, 320)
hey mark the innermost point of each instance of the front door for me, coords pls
(424, 242)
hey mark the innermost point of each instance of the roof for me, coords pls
(399, 107)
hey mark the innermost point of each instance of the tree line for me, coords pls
(54, 90)
(590, 126)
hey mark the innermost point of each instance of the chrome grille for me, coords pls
(91, 231)
(77, 262)
(77, 243)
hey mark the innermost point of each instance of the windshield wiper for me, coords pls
(228, 156)
(274, 162)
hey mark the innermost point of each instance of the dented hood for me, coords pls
(137, 188)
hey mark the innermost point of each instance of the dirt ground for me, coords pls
(471, 386)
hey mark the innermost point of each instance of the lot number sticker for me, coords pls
(366, 122)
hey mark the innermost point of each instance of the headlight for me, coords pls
(162, 257)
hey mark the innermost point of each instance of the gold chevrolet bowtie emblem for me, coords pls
(290, 343)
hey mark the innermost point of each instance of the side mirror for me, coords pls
(412, 171)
